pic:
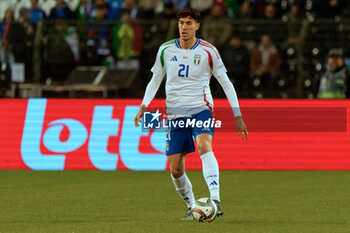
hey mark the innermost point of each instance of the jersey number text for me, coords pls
(183, 71)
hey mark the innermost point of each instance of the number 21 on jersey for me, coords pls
(183, 71)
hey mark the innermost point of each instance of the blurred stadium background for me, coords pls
(80, 46)
(72, 76)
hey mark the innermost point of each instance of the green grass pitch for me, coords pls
(125, 201)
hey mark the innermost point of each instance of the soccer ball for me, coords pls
(204, 210)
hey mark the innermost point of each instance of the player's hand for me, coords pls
(139, 115)
(241, 128)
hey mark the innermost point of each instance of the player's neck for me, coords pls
(187, 44)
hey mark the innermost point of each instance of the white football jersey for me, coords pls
(188, 74)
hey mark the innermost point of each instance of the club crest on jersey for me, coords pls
(197, 59)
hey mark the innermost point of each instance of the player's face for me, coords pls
(187, 28)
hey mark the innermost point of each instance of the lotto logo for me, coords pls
(54, 140)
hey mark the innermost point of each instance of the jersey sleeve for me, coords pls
(219, 72)
(230, 93)
(158, 66)
(157, 77)
(218, 66)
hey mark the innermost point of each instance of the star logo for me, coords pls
(151, 120)
(155, 115)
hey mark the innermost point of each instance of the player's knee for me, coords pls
(176, 172)
(204, 148)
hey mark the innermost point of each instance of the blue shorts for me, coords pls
(180, 139)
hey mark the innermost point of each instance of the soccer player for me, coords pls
(188, 63)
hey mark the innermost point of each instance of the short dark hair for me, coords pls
(187, 11)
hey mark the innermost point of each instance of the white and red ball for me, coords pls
(204, 210)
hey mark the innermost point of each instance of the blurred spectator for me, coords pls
(236, 57)
(245, 11)
(97, 47)
(202, 5)
(270, 12)
(169, 12)
(26, 23)
(329, 8)
(265, 61)
(335, 82)
(346, 10)
(292, 18)
(59, 54)
(146, 9)
(61, 11)
(292, 40)
(85, 9)
(289, 51)
(36, 13)
(233, 8)
(6, 54)
(260, 8)
(29, 30)
(12, 39)
(127, 37)
(168, 22)
(98, 43)
(293, 14)
(132, 7)
(274, 2)
(99, 11)
(179, 4)
(84, 12)
(216, 28)
(277, 31)
(290, 47)
(103, 43)
(114, 9)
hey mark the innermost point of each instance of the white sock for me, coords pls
(184, 188)
(210, 170)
